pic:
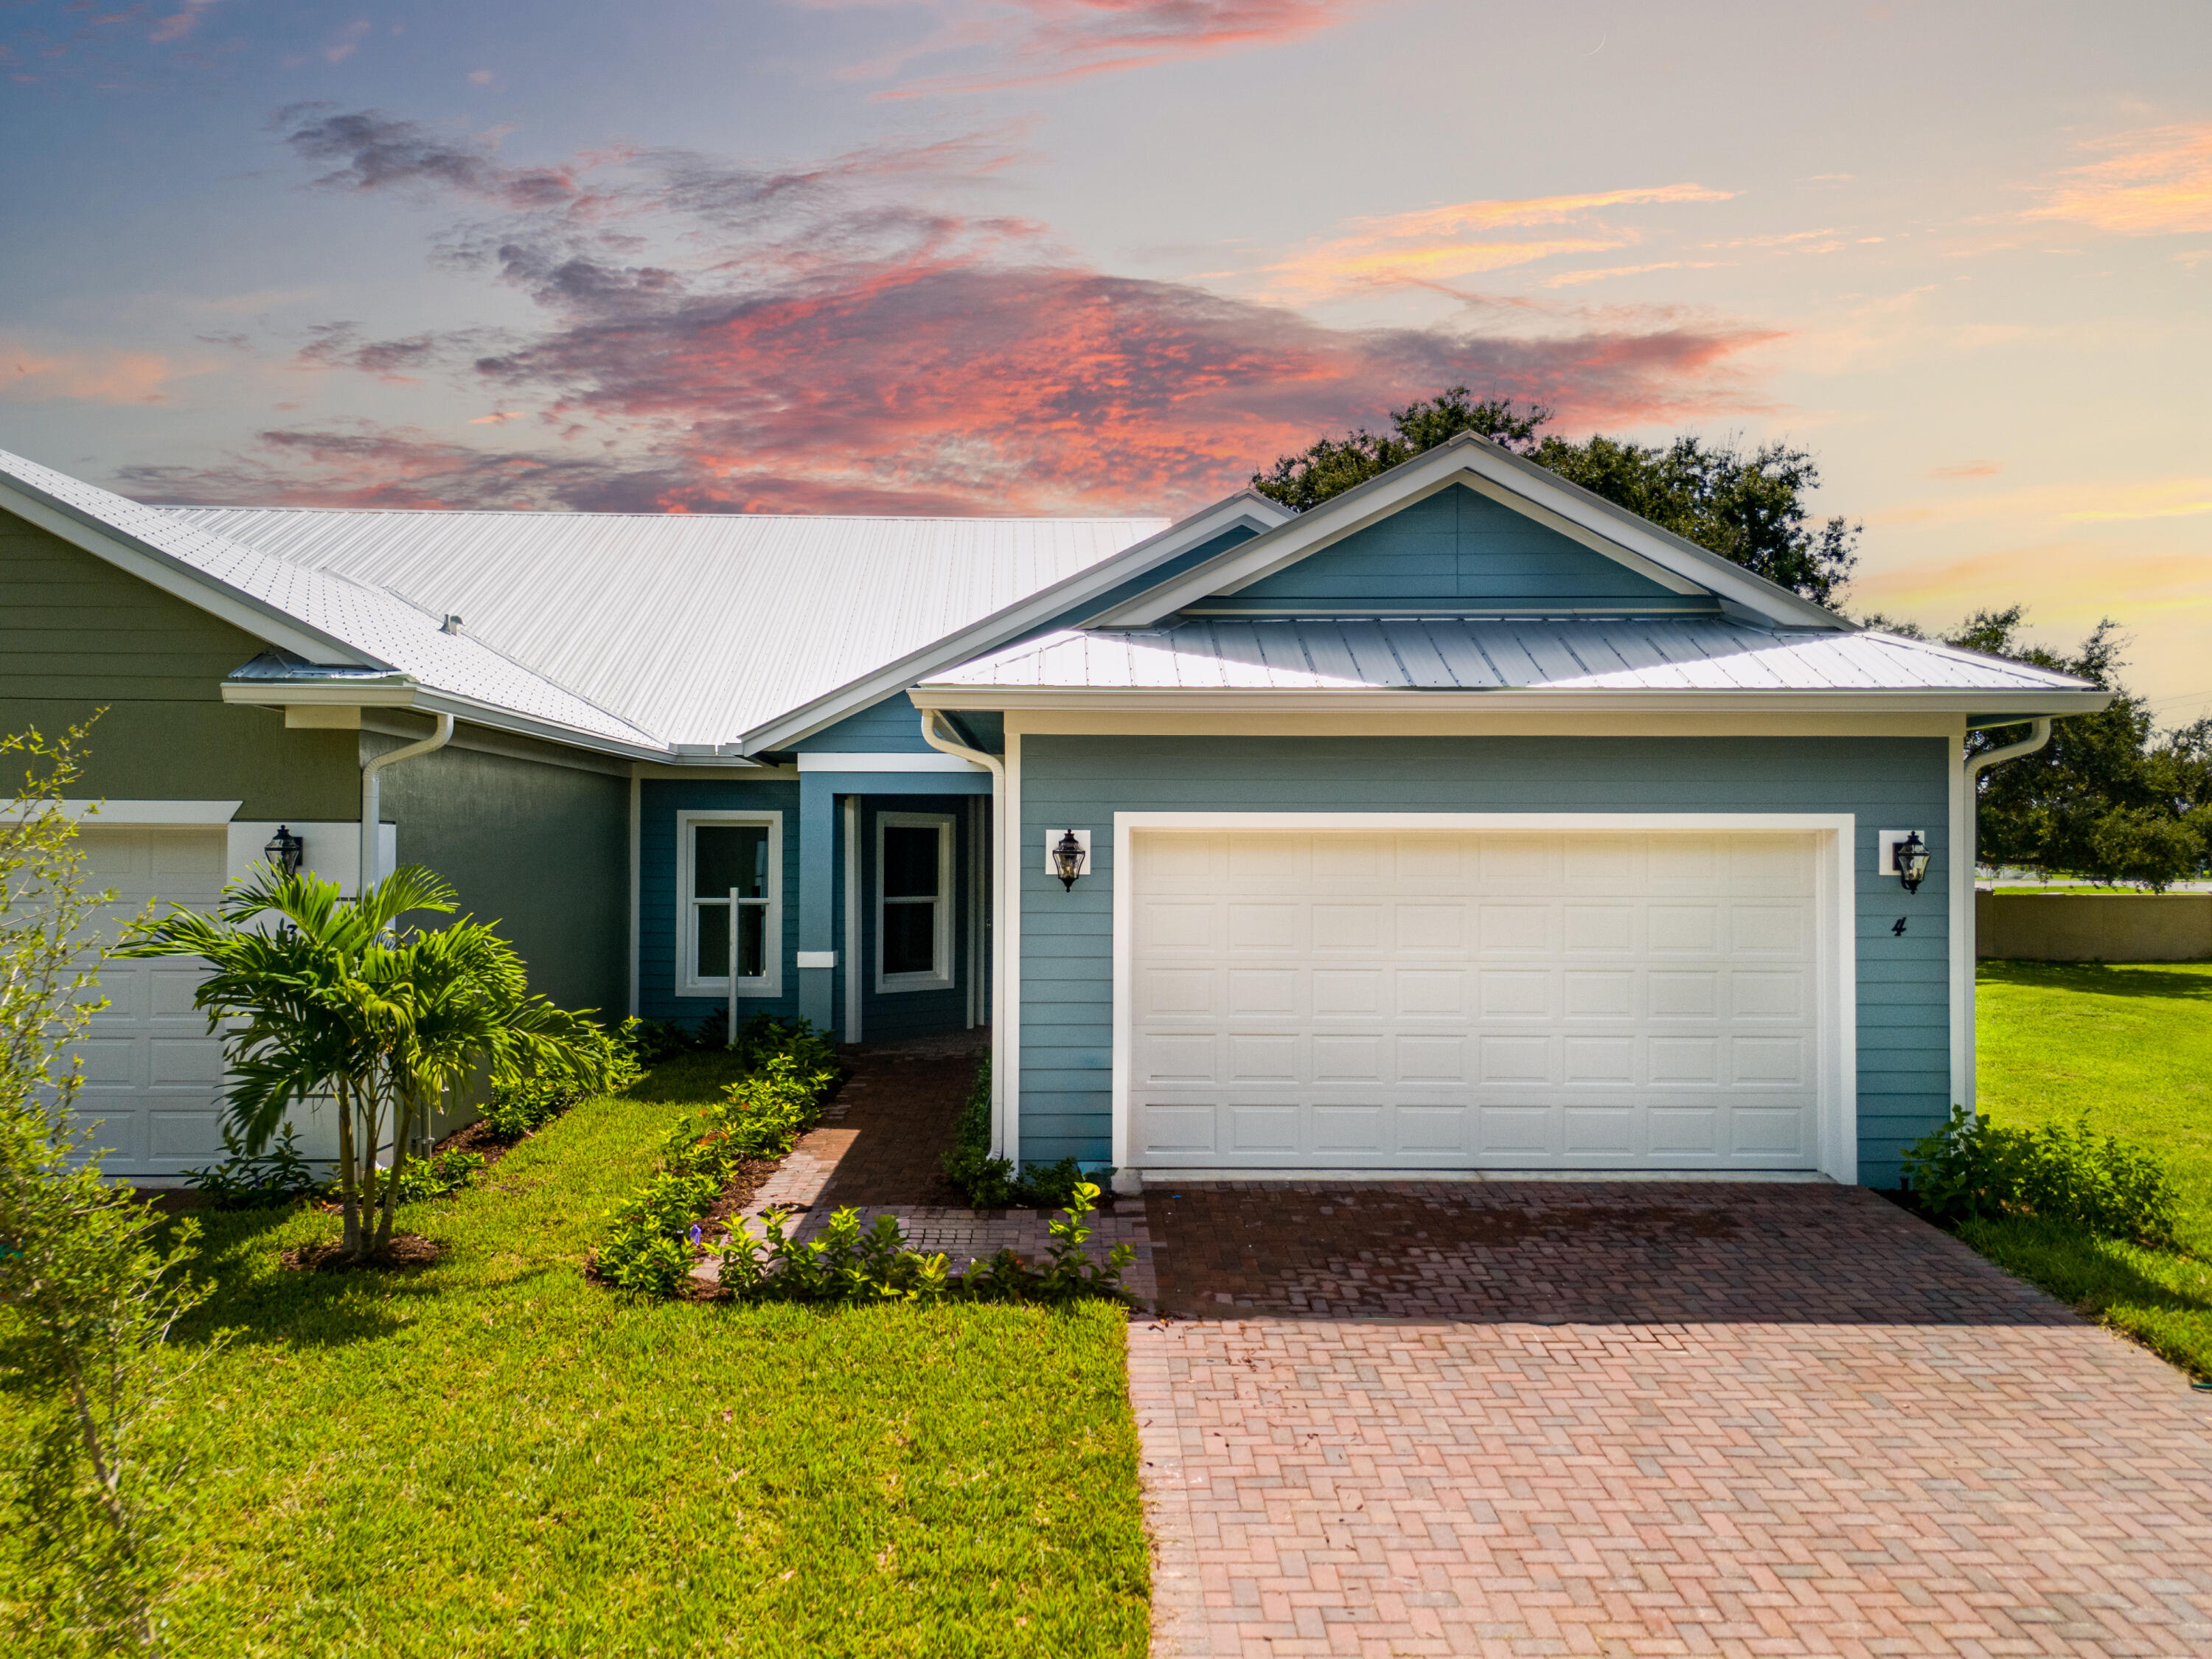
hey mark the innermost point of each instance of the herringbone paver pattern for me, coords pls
(1629, 1420)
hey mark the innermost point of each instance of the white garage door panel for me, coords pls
(153, 1074)
(1460, 999)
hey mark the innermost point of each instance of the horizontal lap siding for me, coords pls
(657, 804)
(1067, 939)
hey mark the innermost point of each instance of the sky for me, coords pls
(1109, 257)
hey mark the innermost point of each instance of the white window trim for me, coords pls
(770, 984)
(941, 978)
(1836, 908)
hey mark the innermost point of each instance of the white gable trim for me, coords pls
(174, 577)
(1505, 478)
(1245, 508)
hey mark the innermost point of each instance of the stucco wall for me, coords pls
(2093, 926)
(1066, 939)
(541, 848)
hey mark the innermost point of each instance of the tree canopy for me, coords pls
(2109, 798)
(1746, 505)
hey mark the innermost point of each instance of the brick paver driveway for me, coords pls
(1519, 1419)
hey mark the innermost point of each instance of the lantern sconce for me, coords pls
(1904, 853)
(286, 852)
(1068, 855)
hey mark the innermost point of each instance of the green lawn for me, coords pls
(493, 1457)
(2129, 1046)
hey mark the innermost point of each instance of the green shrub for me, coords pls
(993, 1183)
(1971, 1169)
(848, 1263)
(526, 1104)
(436, 1176)
(765, 1037)
(266, 1182)
(652, 1241)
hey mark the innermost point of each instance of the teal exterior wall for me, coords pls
(1453, 549)
(540, 847)
(892, 726)
(1904, 1085)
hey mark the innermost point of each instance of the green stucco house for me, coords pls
(1465, 822)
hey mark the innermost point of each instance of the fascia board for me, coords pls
(952, 698)
(1246, 506)
(1502, 477)
(180, 580)
(403, 693)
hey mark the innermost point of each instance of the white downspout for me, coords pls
(1965, 960)
(371, 795)
(945, 742)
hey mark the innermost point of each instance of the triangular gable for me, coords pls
(1488, 519)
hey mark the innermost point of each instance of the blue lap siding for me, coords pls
(1904, 1085)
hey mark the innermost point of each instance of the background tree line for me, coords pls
(2111, 798)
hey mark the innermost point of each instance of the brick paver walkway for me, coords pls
(1647, 1419)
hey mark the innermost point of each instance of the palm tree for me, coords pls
(335, 1000)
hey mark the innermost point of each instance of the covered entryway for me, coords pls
(1447, 998)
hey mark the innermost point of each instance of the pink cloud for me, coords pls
(1005, 43)
(819, 337)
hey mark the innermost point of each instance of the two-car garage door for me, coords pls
(1464, 999)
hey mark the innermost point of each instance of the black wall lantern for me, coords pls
(1069, 858)
(1909, 859)
(286, 851)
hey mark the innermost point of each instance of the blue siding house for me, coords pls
(1463, 823)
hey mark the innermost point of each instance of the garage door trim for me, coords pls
(1835, 905)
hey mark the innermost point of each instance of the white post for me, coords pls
(734, 910)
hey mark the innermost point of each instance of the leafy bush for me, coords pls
(268, 1181)
(662, 1039)
(993, 1183)
(650, 1246)
(1971, 1169)
(436, 1176)
(847, 1263)
(526, 1105)
(763, 1037)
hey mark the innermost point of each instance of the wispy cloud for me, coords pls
(1442, 243)
(984, 45)
(718, 337)
(29, 373)
(2155, 181)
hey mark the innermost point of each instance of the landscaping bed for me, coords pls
(2128, 1048)
(491, 1456)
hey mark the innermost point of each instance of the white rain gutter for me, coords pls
(372, 794)
(1966, 818)
(1001, 864)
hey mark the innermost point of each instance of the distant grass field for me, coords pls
(493, 1457)
(2129, 1048)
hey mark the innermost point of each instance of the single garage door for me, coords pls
(153, 1075)
(1469, 1000)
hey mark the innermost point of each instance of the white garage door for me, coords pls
(152, 1074)
(1473, 999)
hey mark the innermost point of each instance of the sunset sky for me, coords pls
(1110, 256)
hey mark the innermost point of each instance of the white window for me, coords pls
(913, 902)
(724, 859)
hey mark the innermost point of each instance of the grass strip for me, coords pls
(491, 1456)
(2162, 1300)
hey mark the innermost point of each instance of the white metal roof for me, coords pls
(1460, 655)
(697, 627)
(368, 625)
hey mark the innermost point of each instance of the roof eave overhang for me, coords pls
(2026, 704)
(1501, 475)
(401, 692)
(178, 579)
(1246, 506)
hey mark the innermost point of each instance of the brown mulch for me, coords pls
(406, 1250)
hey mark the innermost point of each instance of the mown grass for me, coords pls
(491, 1457)
(2128, 1046)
